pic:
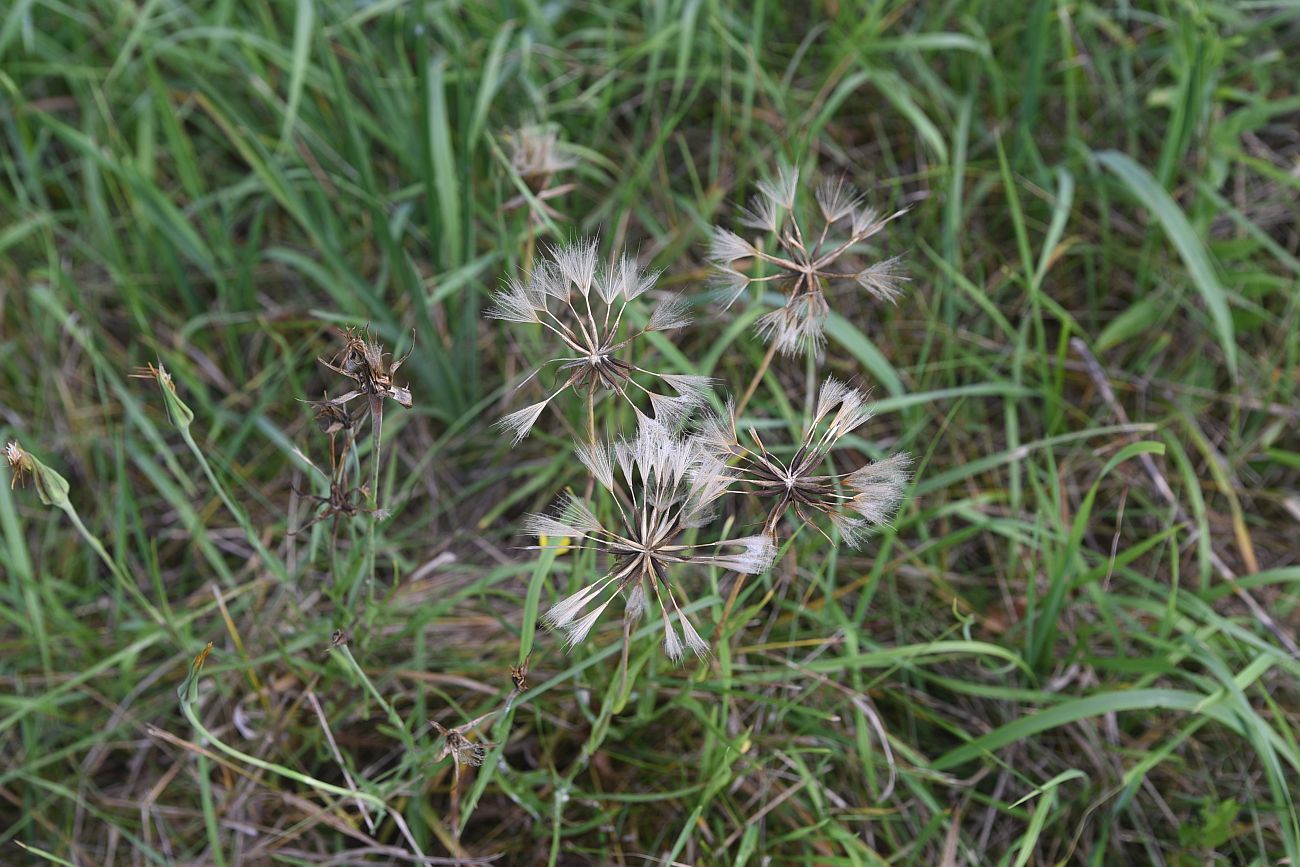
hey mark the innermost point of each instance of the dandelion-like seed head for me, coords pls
(537, 158)
(806, 259)
(663, 484)
(853, 502)
(584, 304)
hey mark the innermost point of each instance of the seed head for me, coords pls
(536, 156)
(462, 750)
(853, 502)
(362, 360)
(807, 259)
(583, 305)
(662, 484)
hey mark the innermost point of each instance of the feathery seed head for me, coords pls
(594, 330)
(536, 157)
(853, 502)
(809, 256)
(663, 484)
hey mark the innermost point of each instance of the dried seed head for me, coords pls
(362, 360)
(853, 502)
(584, 306)
(663, 484)
(519, 674)
(808, 257)
(536, 156)
(462, 750)
(331, 418)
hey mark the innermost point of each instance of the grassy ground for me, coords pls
(1075, 645)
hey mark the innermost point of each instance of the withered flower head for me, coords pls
(807, 258)
(51, 487)
(332, 418)
(362, 361)
(663, 484)
(583, 305)
(535, 156)
(462, 750)
(853, 502)
(21, 462)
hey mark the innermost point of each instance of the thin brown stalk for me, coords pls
(758, 377)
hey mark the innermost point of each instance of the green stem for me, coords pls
(118, 574)
(393, 717)
(274, 563)
(376, 440)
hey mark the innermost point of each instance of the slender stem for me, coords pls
(591, 439)
(810, 383)
(758, 377)
(731, 601)
(393, 717)
(274, 563)
(127, 583)
(376, 438)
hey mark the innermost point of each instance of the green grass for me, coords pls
(1075, 645)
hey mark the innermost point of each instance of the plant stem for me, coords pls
(372, 502)
(758, 377)
(274, 563)
(120, 576)
(389, 711)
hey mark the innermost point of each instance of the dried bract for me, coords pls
(853, 502)
(584, 306)
(807, 259)
(663, 484)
